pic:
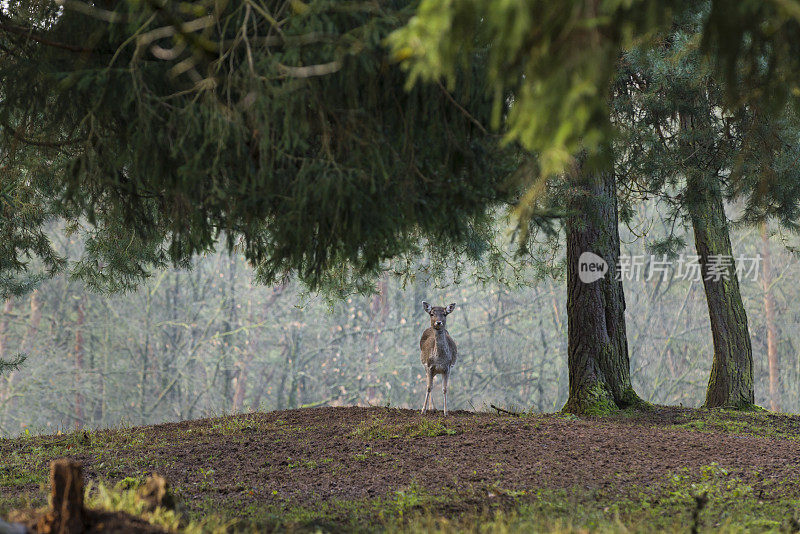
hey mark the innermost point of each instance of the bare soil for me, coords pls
(312, 456)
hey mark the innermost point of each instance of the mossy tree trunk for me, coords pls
(599, 366)
(731, 381)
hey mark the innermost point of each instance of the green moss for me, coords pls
(593, 401)
(634, 403)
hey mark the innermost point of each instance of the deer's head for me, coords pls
(438, 314)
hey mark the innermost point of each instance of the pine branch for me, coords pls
(35, 142)
(13, 364)
(29, 34)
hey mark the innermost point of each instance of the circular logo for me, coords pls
(591, 267)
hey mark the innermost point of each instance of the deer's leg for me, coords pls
(428, 393)
(431, 377)
(445, 378)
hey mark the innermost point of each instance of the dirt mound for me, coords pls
(311, 457)
(325, 453)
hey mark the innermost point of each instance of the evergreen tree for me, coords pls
(684, 150)
(283, 129)
(683, 147)
(559, 58)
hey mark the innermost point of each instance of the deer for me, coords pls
(438, 351)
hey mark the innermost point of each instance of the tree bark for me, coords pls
(597, 346)
(731, 381)
(78, 356)
(769, 318)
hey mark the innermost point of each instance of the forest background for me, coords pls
(211, 340)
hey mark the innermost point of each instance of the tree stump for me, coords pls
(66, 515)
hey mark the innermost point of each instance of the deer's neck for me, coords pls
(442, 348)
(441, 337)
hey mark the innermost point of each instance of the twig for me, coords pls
(515, 414)
(311, 70)
(466, 113)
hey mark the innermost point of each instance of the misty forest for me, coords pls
(402, 266)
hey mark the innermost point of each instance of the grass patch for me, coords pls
(750, 423)
(725, 504)
(729, 505)
(338, 515)
(124, 497)
(379, 428)
(232, 425)
(16, 474)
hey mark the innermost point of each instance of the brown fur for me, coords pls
(433, 355)
(438, 352)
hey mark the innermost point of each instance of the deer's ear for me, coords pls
(450, 308)
(426, 307)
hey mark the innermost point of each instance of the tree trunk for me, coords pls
(378, 311)
(34, 321)
(242, 366)
(731, 381)
(5, 385)
(78, 356)
(27, 342)
(259, 391)
(8, 307)
(769, 318)
(599, 366)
